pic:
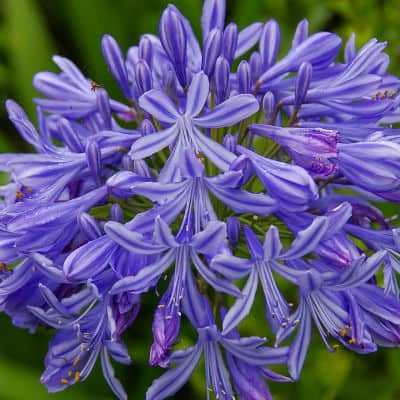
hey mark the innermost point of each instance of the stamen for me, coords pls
(76, 361)
(64, 381)
(77, 376)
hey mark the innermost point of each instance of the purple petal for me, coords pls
(163, 234)
(242, 306)
(210, 240)
(248, 37)
(160, 106)
(272, 243)
(230, 112)
(172, 380)
(90, 259)
(197, 94)
(145, 278)
(299, 347)
(116, 63)
(108, 373)
(231, 267)
(213, 16)
(307, 239)
(221, 285)
(217, 154)
(131, 241)
(150, 144)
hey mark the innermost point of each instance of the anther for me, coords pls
(352, 341)
(69, 373)
(76, 361)
(77, 376)
(161, 306)
(255, 217)
(335, 346)
(64, 381)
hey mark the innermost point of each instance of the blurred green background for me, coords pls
(30, 32)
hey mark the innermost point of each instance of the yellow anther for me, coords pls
(343, 332)
(19, 194)
(352, 341)
(77, 376)
(64, 381)
(70, 373)
(76, 361)
(161, 306)
(122, 149)
(255, 217)
(28, 189)
(335, 346)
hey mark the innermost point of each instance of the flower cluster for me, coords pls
(216, 175)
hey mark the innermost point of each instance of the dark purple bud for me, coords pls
(116, 63)
(211, 51)
(145, 50)
(243, 77)
(269, 43)
(126, 309)
(314, 149)
(166, 326)
(233, 230)
(303, 80)
(269, 105)
(89, 226)
(116, 213)
(221, 79)
(230, 142)
(143, 78)
(174, 41)
(147, 127)
(229, 42)
(103, 105)
(213, 16)
(69, 136)
(93, 157)
(301, 33)
(255, 65)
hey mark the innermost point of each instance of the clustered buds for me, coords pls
(218, 177)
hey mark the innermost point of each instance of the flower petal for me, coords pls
(230, 112)
(159, 105)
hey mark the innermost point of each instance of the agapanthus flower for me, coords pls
(219, 175)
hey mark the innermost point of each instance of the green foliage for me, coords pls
(30, 32)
